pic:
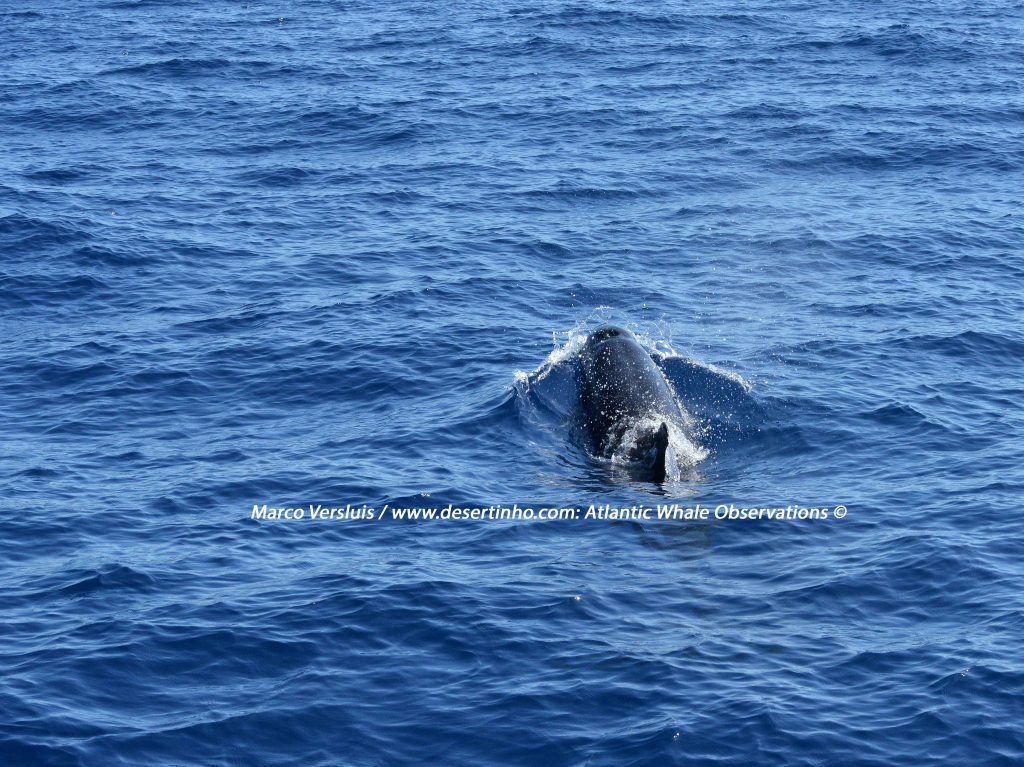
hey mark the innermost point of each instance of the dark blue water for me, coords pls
(343, 253)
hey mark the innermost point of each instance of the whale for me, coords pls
(628, 406)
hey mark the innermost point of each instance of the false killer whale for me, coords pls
(627, 403)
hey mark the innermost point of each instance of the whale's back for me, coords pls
(620, 386)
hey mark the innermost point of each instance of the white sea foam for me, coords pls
(684, 450)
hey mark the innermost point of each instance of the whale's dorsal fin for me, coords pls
(660, 452)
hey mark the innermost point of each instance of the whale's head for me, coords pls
(605, 332)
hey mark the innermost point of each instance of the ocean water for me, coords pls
(344, 253)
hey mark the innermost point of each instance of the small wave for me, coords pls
(280, 177)
(66, 175)
(905, 417)
(898, 153)
(90, 255)
(19, 230)
(109, 577)
(897, 41)
(177, 67)
(764, 111)
(350, 125)
(576, 192)
(583, 17)
(133, 4)
(987, 347)
(40, 289)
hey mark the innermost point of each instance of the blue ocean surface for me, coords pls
(345, 253)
